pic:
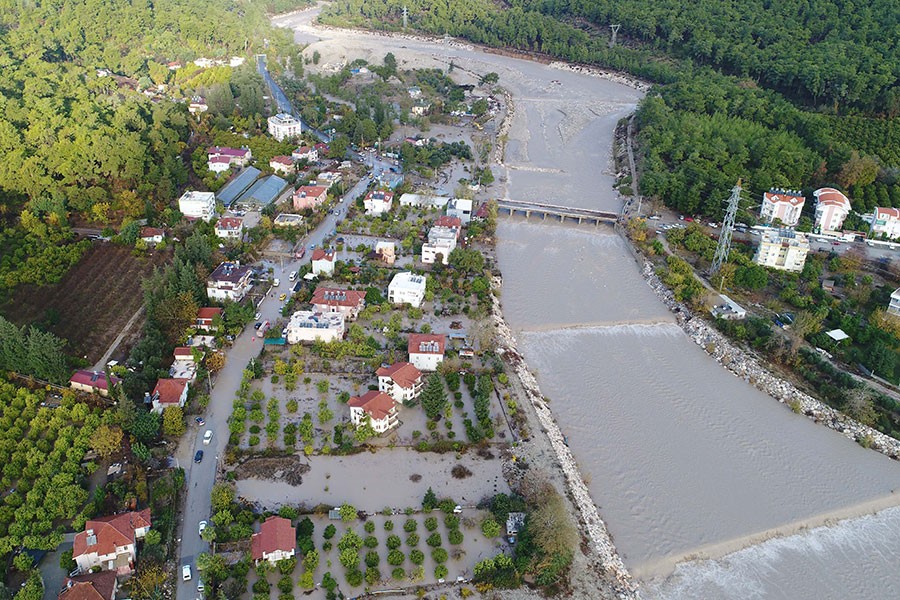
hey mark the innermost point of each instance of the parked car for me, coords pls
(276, 283)
(207, 437)
(257, 325)
(198, 457)
(200, 421)
(186, 572)
(312, 246)
(282, 297)
(203, 525)
(257, 316)
(292, 276)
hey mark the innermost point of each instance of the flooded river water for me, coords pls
(684, 460)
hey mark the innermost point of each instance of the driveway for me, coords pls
(199, 477)
(52, 575)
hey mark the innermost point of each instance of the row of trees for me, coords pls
(30, 351)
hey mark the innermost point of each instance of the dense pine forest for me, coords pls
(795, 94)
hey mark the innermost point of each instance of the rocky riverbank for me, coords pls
(592, 524)
(751, 369)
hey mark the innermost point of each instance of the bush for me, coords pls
(373, 575)
(490, 528)
(393, 542)
(431, 523)
(417, 557)
(410, 525)
(370, 542)
(261, 586)
(398, 573)
(285, 584)
(369, 526)
(287, 566)
(452, 521)
(328, 582)
(348, 513)
(440, 571)
(372, 558)
(329, 532)
(412, 539)
(434, 539)
(439, 555)
(395, 558)
(388, 525)
(354, 577)
(253, 441)
(455, 537)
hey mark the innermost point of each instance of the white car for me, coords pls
(203, 525)
(292, 276)
(276, 283)
(207, 437)
(257, 316)
(186, 572)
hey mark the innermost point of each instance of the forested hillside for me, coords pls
(80, 143)
(796, 94)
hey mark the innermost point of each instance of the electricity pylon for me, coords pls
(727, 229)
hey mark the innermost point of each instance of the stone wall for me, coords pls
(750, 368)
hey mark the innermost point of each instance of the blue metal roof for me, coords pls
(238, 184)
(264, 191)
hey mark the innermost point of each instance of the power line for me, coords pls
(724, 246)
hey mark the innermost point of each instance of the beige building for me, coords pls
(782, 249)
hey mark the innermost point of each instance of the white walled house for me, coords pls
(441, 241)
(460, 208)
(110, 543)
(426, 350)
(886, 222)
(784, 205)
(283, 126)
(894, 306)
(378, 202)
(379, 407)
(407, 288)
(785, 250)
(282, 164)
(276, 541)
(229, 281)
(169, 392)
(152, 235)
(309, 326)
(347, 302)
(401, 381)
(307, 153)
(832, 207)
(198, 205)
(323, 262)
(230, 228)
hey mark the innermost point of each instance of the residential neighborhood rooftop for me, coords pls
(376, 404)
(426, 343)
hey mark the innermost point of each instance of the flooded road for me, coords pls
(683, 459)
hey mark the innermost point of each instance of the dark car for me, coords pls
(199, 456)
(258, 324)
(200, 421)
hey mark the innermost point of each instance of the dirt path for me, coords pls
(101, 364)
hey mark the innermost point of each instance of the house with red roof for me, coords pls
(91, 586)
(221, 158)
(282, 164)
(380, 409)
(206, 316)
(323, 262)
(401, 381)
(110, 543)
(152, 235)
(93, 382)
(230, 228)
(169, 392)
(310, 196)
(276, 540)
(784, 205)
(832, 207)
(378, 202)
(426, 350)
(347, 302)
(886, 222)
(307, 153)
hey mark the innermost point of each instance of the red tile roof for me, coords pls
(426, 343)
(376, 404)
(831, 196)
(310, 191)
(380, 195)
(219, 159)
(778, 197)
(404, 374)
(92, 586)
(224, 151)
(320, 254)
(303, 150)
(184, 351)
(109, 533)
(208, 313)
(275, 534)
(151, 232)
(445, 221)
(889, 213)
(95, 379)
(229, 223)
(282, 160)
(337, 297)
(168, 391)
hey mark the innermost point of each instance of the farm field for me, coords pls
(92, 303)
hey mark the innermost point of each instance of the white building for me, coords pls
(441, 241)
(422, 200)
(401, 381)
(426, 350)
(832, 207)
(169, 392)
(784, 205)
(782, 249)
(307, 153)
(407, 288)
(230, 228)
(276, 541)
(378, 202)
(378, 407)
(323, 262)
(198, 205)
(283, 126)
(309, 326)
(282, 164)
(886, 221)
(729, 309)
(229, 281)
(460, 208)
(346, 302)
(894, 306)
(110, 543)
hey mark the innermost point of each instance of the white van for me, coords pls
(293, 276)
(276, 283)
(186, 572)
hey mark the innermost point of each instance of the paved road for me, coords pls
(200, 477)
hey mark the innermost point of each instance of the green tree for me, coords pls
(106, 441)
(433, 396)
(173, 421)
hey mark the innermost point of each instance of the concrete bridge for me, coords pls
(562, 213)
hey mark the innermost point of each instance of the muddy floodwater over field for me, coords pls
(683, 459)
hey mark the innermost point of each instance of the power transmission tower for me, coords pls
(727, 229)
(615, 30)
(405, 16)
